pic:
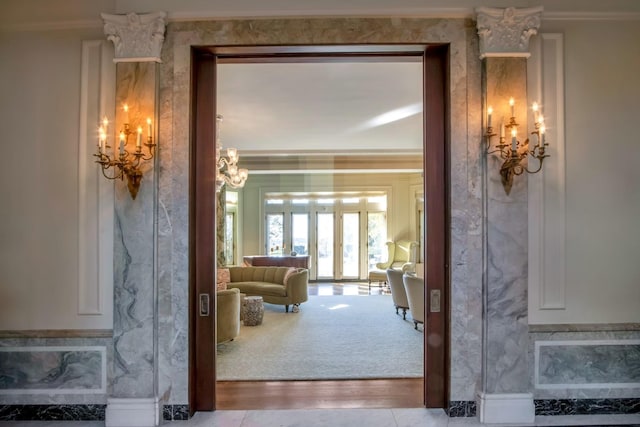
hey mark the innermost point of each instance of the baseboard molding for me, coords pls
(506, 408)
(132, 412)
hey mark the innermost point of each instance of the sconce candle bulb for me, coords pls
(514, 160)
(124, 163)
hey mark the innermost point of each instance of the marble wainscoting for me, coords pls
(585, 372)
(53, 378)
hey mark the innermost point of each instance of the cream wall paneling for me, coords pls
(95, 193)
(547, 284)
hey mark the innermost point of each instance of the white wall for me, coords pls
(602, 236)
(40, 82)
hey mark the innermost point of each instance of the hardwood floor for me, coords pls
(320, 394)
(382, 393)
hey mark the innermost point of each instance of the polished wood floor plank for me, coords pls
(377, 393)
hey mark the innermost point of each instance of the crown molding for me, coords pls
(424, 13)
(52, 26)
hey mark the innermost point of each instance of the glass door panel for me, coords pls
(300, 233)
(350, 245)
(229, 238)
(275, 233)
(325, 243)
(376, 238)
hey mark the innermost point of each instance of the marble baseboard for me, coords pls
(175, 412)
(462, 408)
(52, 412)
(587, 406)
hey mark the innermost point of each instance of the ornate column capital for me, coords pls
(506, 32)
(136, 38)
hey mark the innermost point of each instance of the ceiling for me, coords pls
(310, 110)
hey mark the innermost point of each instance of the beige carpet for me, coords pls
(332, 337)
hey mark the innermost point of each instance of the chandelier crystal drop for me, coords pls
(228, 171)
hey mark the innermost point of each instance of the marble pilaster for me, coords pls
(134, 397)
(134, 253)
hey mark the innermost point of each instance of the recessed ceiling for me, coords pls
(327, 107)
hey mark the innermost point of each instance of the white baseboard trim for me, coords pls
(132, 412)
(506, 408)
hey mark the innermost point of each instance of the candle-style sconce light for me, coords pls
(125, 163)
(514, 153)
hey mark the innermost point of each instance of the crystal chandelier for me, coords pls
(227, 164)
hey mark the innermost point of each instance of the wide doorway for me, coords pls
(432, 386)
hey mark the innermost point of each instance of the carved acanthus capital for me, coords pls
(136, 38)
(506, 32)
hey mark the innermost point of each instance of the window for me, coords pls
(344, 235)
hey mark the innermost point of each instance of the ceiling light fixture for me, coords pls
(227, 164)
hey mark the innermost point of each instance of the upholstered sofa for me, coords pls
(276, 285)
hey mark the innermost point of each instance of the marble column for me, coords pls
(133, 392)
(506, 388)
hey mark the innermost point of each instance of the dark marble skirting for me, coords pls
(175, 412)
(52, 412)
(587, 406)
(462, 408)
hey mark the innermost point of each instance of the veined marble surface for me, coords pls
(134, 310)
(506, 358)
(569, 369)
(66, 370)
(466, 236)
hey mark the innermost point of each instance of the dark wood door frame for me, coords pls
(202, 233)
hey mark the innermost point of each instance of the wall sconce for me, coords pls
(514, 153)
(125, 163)
(227, 164)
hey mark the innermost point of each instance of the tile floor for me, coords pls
(346, 418)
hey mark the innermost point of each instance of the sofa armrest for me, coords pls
(296, 286)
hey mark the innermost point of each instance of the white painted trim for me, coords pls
(132, 412)
(95, 193)
(506, 408)
(51, 391)
(89, 298)
(562, 343)
(547, 282)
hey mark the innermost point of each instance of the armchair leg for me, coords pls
(404, 313)
(415, 325)
(286, 308)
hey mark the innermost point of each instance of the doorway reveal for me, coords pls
(202, 231)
